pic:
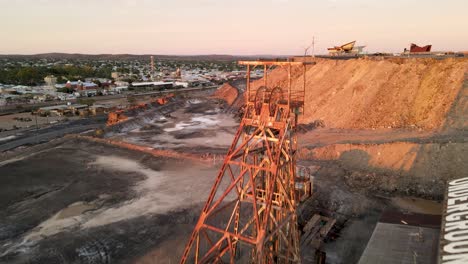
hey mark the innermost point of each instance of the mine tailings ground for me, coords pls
(376, 135)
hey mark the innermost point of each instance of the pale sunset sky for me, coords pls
(240, 27)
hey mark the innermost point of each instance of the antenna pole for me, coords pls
(313, 46)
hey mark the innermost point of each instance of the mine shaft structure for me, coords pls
(250, 214)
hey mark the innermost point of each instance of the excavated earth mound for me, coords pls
(397, 124)
(370, 93)
(227, 93)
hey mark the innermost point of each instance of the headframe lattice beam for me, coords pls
(250, 213)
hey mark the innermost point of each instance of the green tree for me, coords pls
(65, 90)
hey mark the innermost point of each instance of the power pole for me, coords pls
(313, 46)
(306, 49)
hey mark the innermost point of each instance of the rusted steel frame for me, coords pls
(231, 186)
(270, 257)
(240, 237)
(268, 209)
(253, 140)
(271, 139)
(250, 166)
(239, 188)
(223, 168)
(292, 168)
(286, 155)
(273, 218)
(232, 215)
(229, 247)
(252, 181)
(232, 247)
(207, 255)
(268, 130)
(221, 172)
(214, 189)
(273, 124)
(237, 212)
(257, 170)
(237, 220)
(217, 210)
(249, 200)
(257, 150)
(281, 148)
(269, 191)
(247, 225)
(224, 250)
(286, 220)
(288, 257)
(207, 237)
(197, 247)
(241, 147)
(239, 133)
(282, 135)
(268, 147)
(280, 184)
(210, 198)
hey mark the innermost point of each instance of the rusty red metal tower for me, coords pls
(250, 214)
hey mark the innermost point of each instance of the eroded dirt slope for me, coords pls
(227, 93)
(369, 93)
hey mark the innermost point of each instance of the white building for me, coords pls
(50, 81)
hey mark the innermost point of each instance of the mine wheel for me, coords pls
(276, 96)
(260, 98)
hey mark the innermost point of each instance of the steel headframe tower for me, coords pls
(250, 214)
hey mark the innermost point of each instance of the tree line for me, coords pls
(30, 75)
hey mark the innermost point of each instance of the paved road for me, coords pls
(52, 132)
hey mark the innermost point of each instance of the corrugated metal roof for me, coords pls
(399, 243)
(150, 83)
(54, 107)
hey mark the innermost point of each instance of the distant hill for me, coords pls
(77, 56)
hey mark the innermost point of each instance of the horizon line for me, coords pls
(146, 54)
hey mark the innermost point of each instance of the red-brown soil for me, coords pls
(369, 93)
(397, 124)
(227, 93)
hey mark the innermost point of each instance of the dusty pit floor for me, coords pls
(81, 202)
(195, 126)
(78, 201)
